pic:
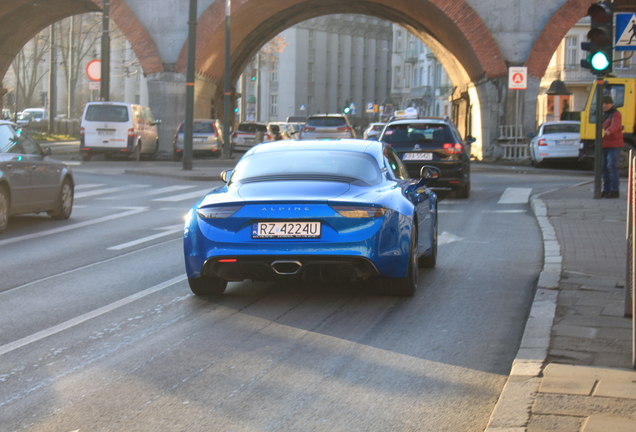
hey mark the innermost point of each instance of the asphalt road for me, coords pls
(99, 330)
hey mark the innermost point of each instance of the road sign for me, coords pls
(370, 107)
(93, 85)
(302, 108)
(354, 110)
(518, 78)
(625, 39)
(94, 70)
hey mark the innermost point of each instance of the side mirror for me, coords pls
(48, 151)
(429, 173)
(225, 175)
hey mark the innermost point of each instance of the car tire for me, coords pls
(429, 261)
(207, 286)
(155, 152)
(136, 155)
(86, 157)
(4, 209)
(64, 203)
(463, 192)
(406, 286)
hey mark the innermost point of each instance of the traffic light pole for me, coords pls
(598, 141)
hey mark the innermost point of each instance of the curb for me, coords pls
(513, 409)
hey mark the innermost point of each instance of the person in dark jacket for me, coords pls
(612, 146)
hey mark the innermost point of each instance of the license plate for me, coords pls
(198, 139)
(105, 132)
(289, 229)
(565, 142)
(417, 156)
(249, 140)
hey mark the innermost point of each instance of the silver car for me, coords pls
(30, 180)
(555, 141)
(207, 139)
(327, 126)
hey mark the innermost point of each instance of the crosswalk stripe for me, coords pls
(183, 197)
(148, 193)
(88, 186)
(108, 190)
(515, 196)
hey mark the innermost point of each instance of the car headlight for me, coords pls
(360, 211)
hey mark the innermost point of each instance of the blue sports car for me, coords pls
(330, 210)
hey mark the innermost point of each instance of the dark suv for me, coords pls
(432, 141)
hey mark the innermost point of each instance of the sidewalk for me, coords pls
(573, 369)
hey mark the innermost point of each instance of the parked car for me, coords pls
(118, 128)
(207, 139)
(278, 131)
(7, 114)
(30, 180)
(314, 210)
(555, 141)
(327, 126)
(23, 119)
(431, 141)
(248, 134)
(37, 114)
(373, 130)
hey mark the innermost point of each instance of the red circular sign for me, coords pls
(94, 70)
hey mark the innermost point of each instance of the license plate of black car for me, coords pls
(290, 229)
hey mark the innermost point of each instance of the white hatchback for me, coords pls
(555, 141)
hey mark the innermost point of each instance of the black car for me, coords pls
(432, 141)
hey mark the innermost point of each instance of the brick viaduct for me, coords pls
(476, 41)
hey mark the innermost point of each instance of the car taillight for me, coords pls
(131, 133)
(217, 212)
(267, 137)
(82, 132)
(345, 128)
(234, 135)
(307, 129)
(543, 142)
(359, 211)
(456, 148)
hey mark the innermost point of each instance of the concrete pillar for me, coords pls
(166, 99)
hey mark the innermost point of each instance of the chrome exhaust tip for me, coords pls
(286, 267)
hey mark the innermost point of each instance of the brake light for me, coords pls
(456, 148)
(345, 128)
(217, 212)
(307, 129)
(229, 260)
(543, 142)
(82, 132)
(267, 137)
(359, 211)
(131, 133)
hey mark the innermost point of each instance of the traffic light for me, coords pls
(600, 39)
(347, 108)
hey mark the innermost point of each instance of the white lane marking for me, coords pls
(108, 190)
(150, 192)
(504, 211)
(131, 211)
(446, 237)
(515, 196)
(88, 186)
(450, 211)
(175, 198)
(87, 316)
(170, 230)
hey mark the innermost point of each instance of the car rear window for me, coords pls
(303, 164)
(326, 122)
(417, 133)
(203, 127)
(252, 127)
(561, 128)
(107, 113)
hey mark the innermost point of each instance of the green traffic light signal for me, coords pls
(599, 61)
(346, 110)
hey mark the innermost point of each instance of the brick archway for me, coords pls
(449, 24)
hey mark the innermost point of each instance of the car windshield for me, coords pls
(417, 133)
(107, 113)
(561, 128)
(252, 127)
(326, 121)
(24, 116)
(297, 165)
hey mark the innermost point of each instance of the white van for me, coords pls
(118, 128)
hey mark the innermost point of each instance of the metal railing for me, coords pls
(512, 142)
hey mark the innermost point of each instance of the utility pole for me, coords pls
(226, 87)
(189, 108)
(70, 102)
(104, 88)
(52, 80)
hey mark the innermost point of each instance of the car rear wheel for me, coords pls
(4, 209)
(64, 204)
(406, 286)
(155, 152)
(429, 261)
(207, 286)
(86, 157)
(136, 155)
(463, 192)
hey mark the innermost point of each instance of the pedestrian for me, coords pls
(612, 146)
